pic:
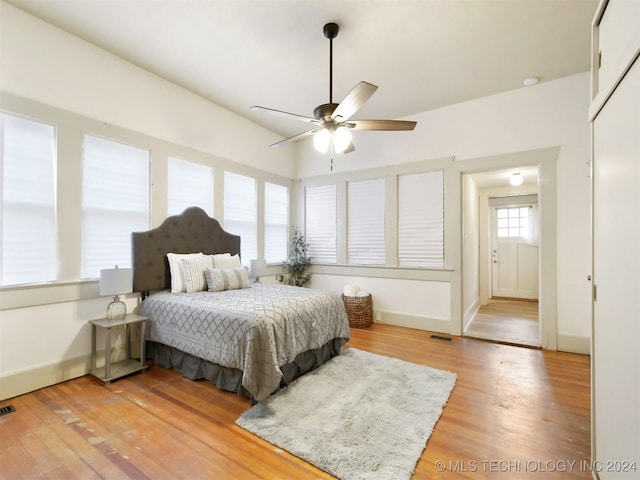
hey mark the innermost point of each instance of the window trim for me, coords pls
(391, 174)
(70, 129)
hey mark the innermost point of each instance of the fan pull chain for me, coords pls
(331, 149)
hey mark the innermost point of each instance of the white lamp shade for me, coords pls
(321, 140)
(115, 281)
(257, 268)
(341, 139)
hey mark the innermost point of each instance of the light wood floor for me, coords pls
(512, 408)
(507, 321)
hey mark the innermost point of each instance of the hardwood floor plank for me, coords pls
(510, 404)
(508, 321)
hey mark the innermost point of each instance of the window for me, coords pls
(421, 220)
(189, 184)
(513, 222)
(115, 202)
(365, 222)
(320, 214)
(28, 172)
(276, 222)
(240, 213)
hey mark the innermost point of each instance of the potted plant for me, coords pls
(297, 263)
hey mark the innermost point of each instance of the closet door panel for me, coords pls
(616, 274)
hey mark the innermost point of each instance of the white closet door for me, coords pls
(616, 263)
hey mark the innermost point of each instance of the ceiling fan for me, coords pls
(331, 121)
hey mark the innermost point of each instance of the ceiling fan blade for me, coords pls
(293, 116)
(381, 125)
(354, 101)
(296, 138)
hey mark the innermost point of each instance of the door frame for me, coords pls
(545, 159)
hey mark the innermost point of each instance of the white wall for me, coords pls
(550, 114)
(419, 299)
(43, 63)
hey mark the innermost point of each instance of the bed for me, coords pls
(248, 340)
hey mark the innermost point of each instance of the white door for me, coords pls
(514, 261)
(616, 276)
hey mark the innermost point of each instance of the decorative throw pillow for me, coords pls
(226, 260)
(193, 272)
(175, 269)
(220, 279)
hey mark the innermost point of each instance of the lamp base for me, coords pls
(116, 309)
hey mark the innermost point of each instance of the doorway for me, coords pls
(508, 260)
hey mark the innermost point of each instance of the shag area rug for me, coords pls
(359, 416)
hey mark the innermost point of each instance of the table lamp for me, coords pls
(257, 268)
(116, 281)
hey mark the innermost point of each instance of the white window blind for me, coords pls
(240, 213)
(115, 202)
(28, 169)
(276, 222)
(189, 185)
(365, 222)
(320, 214)
(421, 220)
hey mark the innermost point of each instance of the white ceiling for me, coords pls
(423, 54)
(500, 178)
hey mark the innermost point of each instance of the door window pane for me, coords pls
(513, 222)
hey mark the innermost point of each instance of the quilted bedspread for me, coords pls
(256, 330)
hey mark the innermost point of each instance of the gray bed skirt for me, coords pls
(230, 379)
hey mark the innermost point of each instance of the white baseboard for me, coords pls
(25, 381)
(574, 344)
(413, 321)
(470, 313)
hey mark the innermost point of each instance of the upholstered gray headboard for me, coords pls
(192, 231)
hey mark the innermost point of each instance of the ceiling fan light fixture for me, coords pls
(341, 139)
(331, 121)
(515, 179)
(321, 140)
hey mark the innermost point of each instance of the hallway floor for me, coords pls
(504, 320)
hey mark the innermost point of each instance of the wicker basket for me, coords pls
(359, 311)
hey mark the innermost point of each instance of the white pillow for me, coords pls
(193, 272)
(175, 268)
(225, 260)
(226, 279)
